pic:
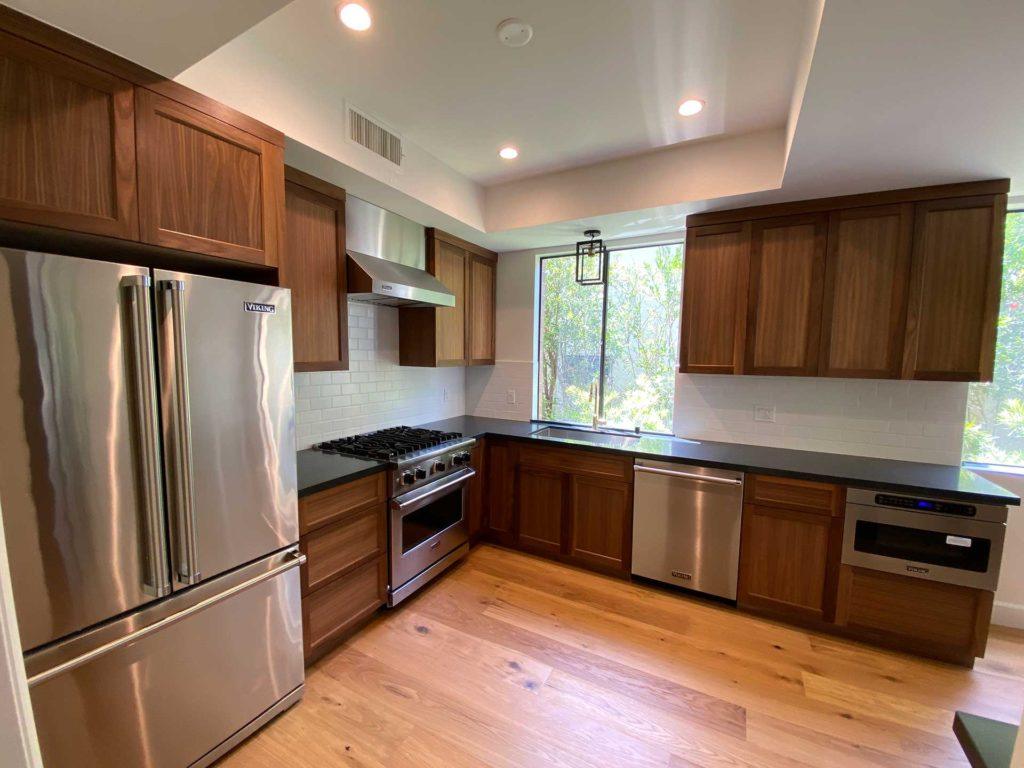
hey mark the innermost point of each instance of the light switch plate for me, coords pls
(444, 394)
(510, 397)
(764, 413)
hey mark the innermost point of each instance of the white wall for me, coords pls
(375, 392)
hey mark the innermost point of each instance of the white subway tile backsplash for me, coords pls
(909, 420)
(375, 392)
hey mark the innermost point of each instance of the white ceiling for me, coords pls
(897, 94)
(600, 78)
(167, 36)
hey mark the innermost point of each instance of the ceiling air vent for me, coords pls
(369, 133)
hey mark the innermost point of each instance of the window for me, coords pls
(624, 335)
(994, 433)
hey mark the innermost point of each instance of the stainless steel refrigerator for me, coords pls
(147, 480)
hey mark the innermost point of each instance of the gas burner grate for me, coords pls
(388, 444)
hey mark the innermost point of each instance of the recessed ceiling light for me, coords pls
(514, 33)
(691, 107)
(508, 153)
(354, 16)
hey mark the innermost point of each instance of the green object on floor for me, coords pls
(987, 743)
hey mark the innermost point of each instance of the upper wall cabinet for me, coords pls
(865, 302)
(312, 265)
(887, 285)
(67, 143)
(954, 289)
(206, 186)
(93, 143)
(787, 266)
(459, 335)
(715, 299)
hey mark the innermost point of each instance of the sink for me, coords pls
(610, 439)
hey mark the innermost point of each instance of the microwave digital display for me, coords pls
(926, 505)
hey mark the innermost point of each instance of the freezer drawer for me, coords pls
(686, 526)
(171, 697)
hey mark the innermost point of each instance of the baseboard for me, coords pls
(1008, 615)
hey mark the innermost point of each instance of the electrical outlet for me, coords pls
(764, 413)
(510, 397)
(444, 394)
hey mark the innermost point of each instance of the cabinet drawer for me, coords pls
(330, 612)
(804, 495)
(341, 546)
(327, 506)
(943, 621)
(578, 461)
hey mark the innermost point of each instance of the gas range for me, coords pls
(416, 456)
(428, 476)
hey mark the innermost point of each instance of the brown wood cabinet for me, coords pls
(500, 467)
(887, 285)
(344, 580)
(93, 143)
(943, 621)
(790, 546)
(312, 265)
(206, 186)
(67, 143)
(459, 335)
(540, 508)
(787, 267)
(715, 299)
(476, 501)
(575, 506)
(865, 300)
(954, 288)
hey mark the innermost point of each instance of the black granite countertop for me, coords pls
(319, 471)
(860, 471)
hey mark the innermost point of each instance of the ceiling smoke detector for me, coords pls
(514, 33)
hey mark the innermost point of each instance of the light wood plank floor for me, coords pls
(513, 661)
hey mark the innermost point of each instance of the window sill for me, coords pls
(997, 469)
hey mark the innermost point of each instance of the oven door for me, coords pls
(427, 525)
(935, 547)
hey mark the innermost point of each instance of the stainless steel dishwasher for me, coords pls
(686, 526)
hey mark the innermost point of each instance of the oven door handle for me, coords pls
(423, 495)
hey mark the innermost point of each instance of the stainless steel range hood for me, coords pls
(387, 259)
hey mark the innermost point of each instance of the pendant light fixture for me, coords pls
(591, 259)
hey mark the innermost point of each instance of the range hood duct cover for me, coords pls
(387, 259)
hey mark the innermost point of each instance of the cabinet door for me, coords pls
(539, 509)
(450, 269)
(714, 315)
(954, 289)
(475, 492)
(206, 186)
(601, 523)
(480, 280)
(787, 269)
(501, 484)
(313, 267)
(865, 302)
(786, 559)
(67, 143)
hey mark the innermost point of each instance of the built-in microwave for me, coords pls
(924, 537)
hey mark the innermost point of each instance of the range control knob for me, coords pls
(461, 458)
(408, 478)
(440, 466)
(420, 473)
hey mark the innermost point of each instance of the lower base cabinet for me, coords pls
(344, 579)
(943, 621)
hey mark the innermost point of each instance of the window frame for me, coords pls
(681, 241)
(987, 466)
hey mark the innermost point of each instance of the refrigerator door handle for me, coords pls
(142, 399)
(178, 425)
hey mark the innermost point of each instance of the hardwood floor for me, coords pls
(513, 661)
